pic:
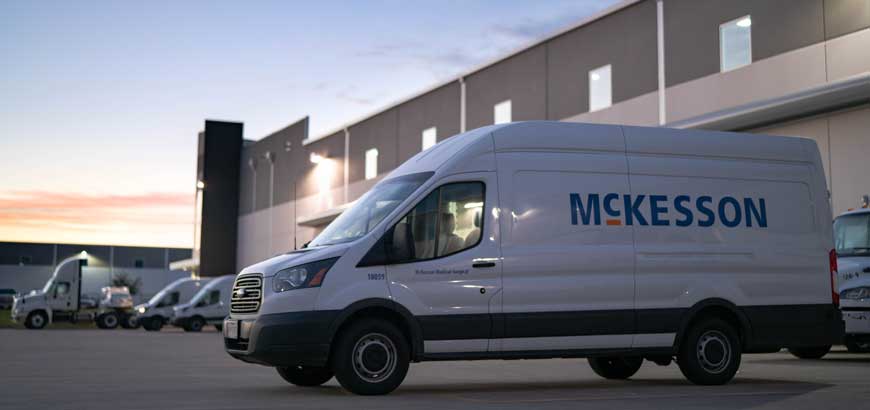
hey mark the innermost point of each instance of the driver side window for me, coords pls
(447, 221)
(61, 289)
(169, 300)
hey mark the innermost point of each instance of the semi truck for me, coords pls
(61, 300)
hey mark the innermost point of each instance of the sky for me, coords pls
(101, 102)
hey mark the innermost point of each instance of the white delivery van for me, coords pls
(852, 239)
(211, 305)
(157, 312)
(556, 240)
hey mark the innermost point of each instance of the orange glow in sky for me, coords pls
(155, 219)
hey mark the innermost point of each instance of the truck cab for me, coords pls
(852, 240)
(208, 307)
(58, 299)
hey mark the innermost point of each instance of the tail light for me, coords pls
(832, 262)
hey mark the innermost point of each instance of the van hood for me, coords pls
(852, 269)
(271, 266)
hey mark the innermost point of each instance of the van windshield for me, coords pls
(370, 209)
(852, 235)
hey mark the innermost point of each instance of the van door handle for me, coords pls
(483, 264)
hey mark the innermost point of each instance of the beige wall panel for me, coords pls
(850, 158)
(849, 55)
(782, 74)
(643, 110)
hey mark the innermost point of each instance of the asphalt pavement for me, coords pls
(134, 369)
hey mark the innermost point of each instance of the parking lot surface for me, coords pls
(133, 369)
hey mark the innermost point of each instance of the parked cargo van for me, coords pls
(157, 312)
(852, 238)
(556, 240)
(210, 306)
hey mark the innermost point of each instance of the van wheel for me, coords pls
(855, 346)
(195, 324)
(153, 324)
(815, 352)
(108, 320)
(710, 353)
(36, 320)
(305, 376)
(371, 357)
(619, 368)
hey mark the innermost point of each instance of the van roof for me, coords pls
(572, 136)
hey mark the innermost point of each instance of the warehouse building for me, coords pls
(783, 67)
(27, 266)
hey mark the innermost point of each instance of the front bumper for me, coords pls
(857, 321)
(284, 339)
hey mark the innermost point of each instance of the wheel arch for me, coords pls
(386, 309)
(715, 307)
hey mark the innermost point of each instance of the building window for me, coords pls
(430, 137)
(371, 163)
(138, 263)
(25, 260)
(502, 112)
(600, 89)
(735, 43)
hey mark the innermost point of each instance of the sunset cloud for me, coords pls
(156, 218)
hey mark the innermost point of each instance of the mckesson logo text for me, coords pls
(682, 210)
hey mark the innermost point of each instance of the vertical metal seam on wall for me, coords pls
(346, 164)
(462, 106)
(660, 40)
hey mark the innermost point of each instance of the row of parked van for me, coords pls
(188, 303)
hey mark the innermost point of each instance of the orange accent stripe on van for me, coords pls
(616, 222)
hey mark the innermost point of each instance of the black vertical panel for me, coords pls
(220, 198)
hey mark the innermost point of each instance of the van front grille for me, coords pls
(247, 293)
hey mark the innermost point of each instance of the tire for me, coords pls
(371, 357)
(36, 320)
(108, 320)
(195, 324)
(129, 322)
(153, 324)
(812, 353)
(710, 352)
(854, 346)
(305, 376)
(615, 368)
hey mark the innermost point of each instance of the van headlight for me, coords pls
(856, 293)
(141, 309)
(309, 275)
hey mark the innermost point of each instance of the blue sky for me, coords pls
(104, 99)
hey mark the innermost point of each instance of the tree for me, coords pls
(125, 279)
